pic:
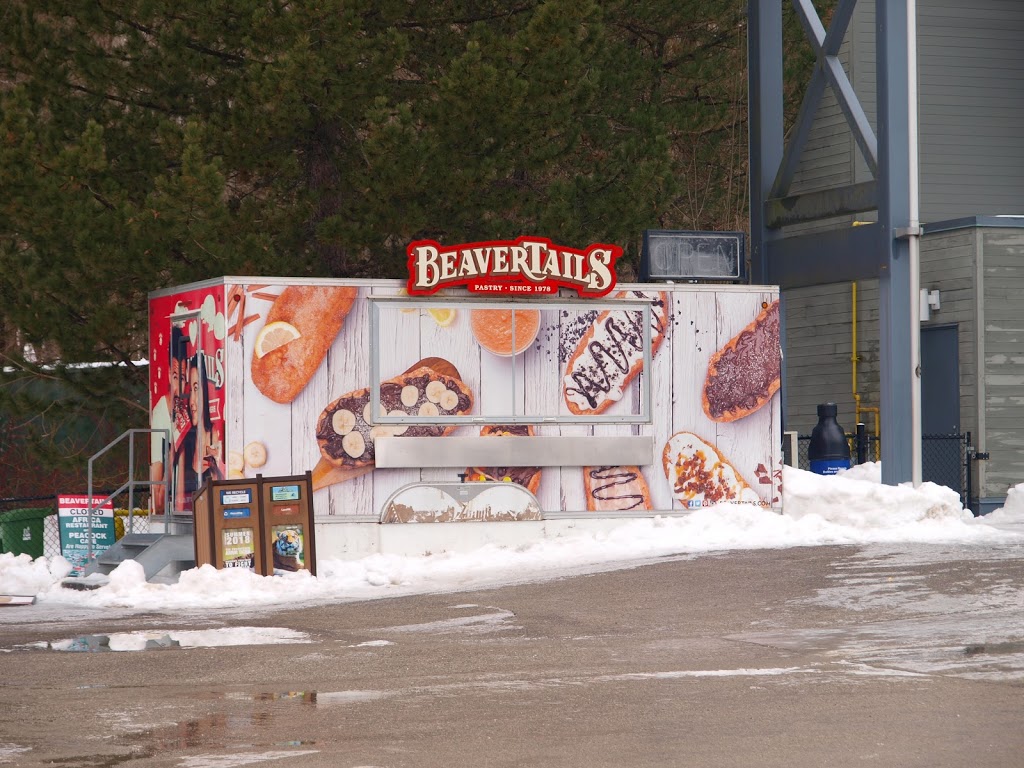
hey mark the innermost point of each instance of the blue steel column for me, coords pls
(765, 140)
(893, 215)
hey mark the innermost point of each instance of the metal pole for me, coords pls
(168, 471)
(914, 244)
(969, 483)
(88, 533)
(894, 283)
(766, 138)
(131, 477)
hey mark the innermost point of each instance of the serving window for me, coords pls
(445, 361)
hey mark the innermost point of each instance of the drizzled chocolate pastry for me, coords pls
(615, 489)
(745, 373)
(611, 353)
(528, 477)
(346, 431)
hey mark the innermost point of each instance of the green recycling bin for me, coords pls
(21, 531)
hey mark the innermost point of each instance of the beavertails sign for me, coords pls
(527, 265)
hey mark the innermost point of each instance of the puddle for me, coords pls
(99, 761)
(173, 639)
(352, 697)
(241, 735)
(306, 697)
(313, 698)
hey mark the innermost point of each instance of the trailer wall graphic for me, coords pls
(652, 398)
(187, 387)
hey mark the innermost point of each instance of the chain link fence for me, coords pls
(29, 525)
(945, 459)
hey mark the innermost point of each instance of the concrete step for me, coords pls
(127, 547)
(155, 552)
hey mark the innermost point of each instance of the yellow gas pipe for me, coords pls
(858, 408)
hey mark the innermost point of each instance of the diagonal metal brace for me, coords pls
(828, 70)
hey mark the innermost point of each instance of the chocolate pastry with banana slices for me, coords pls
(346, 430)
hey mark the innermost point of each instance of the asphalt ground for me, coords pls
(804, 657)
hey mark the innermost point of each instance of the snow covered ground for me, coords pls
(853, 508)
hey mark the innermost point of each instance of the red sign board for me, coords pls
(524, 266)
(187, 378)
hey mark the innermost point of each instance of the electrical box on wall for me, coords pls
(930, 302)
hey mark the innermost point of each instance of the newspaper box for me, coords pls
(262, 524)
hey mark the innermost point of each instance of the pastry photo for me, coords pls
(300, 327)
(699, 472)
(745, 373)
(610, 354)
(346, 429)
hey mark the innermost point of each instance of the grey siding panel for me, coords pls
(950, 116)
(971, 67)
(818, 349)
(1003, 270)
(819, 336)
(981, 13)
(971, 103)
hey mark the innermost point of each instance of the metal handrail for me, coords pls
(132, 482)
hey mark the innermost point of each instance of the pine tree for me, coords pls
(149, 143)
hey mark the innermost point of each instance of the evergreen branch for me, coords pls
(445, 22)
(203, 248)
(100, 199)
(125, 101)
(152, 33)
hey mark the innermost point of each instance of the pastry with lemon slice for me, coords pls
(274, 335)
(301, 325)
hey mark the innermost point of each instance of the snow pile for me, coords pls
(857, 499)
(851, 508)
(869, 470)
(21, 575)
(1012, 509)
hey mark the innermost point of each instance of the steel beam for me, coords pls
(880, 250)
(823, 204)
(821, 258)
(897, 367)
(764, 66)
(828, 70)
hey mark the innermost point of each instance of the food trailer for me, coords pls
(508, 382)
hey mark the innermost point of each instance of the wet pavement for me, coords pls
(841, 656)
